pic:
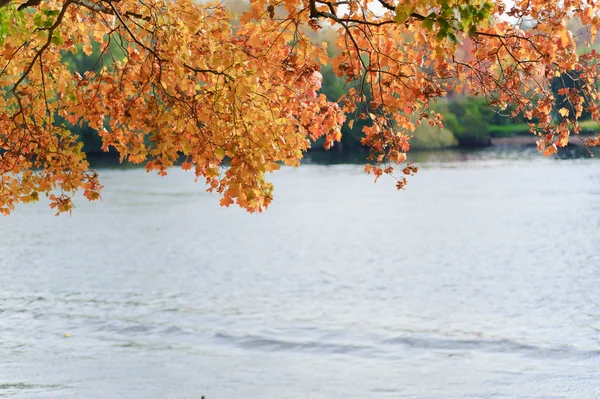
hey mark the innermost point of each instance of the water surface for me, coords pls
(480, 280)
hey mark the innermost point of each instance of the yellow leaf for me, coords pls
(87, 49)
(563, 139)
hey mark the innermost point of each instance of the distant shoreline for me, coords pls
(358, 155)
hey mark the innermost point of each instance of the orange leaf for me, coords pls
(551, 150)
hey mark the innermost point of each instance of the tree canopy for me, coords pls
(178, 82)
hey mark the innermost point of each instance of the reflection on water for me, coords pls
(480, 280)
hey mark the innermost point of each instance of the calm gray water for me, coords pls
(481, 280)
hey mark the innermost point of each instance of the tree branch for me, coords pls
(45, 46)
(387, 5)
(92, 5)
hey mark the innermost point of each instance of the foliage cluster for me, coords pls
(175, 79)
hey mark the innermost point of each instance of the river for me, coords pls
(481, 280)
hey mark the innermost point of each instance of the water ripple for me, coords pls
(493, 345)
(265, 343)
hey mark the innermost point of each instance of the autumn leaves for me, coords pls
(233, 103)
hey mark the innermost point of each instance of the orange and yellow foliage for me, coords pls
(193, 86)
